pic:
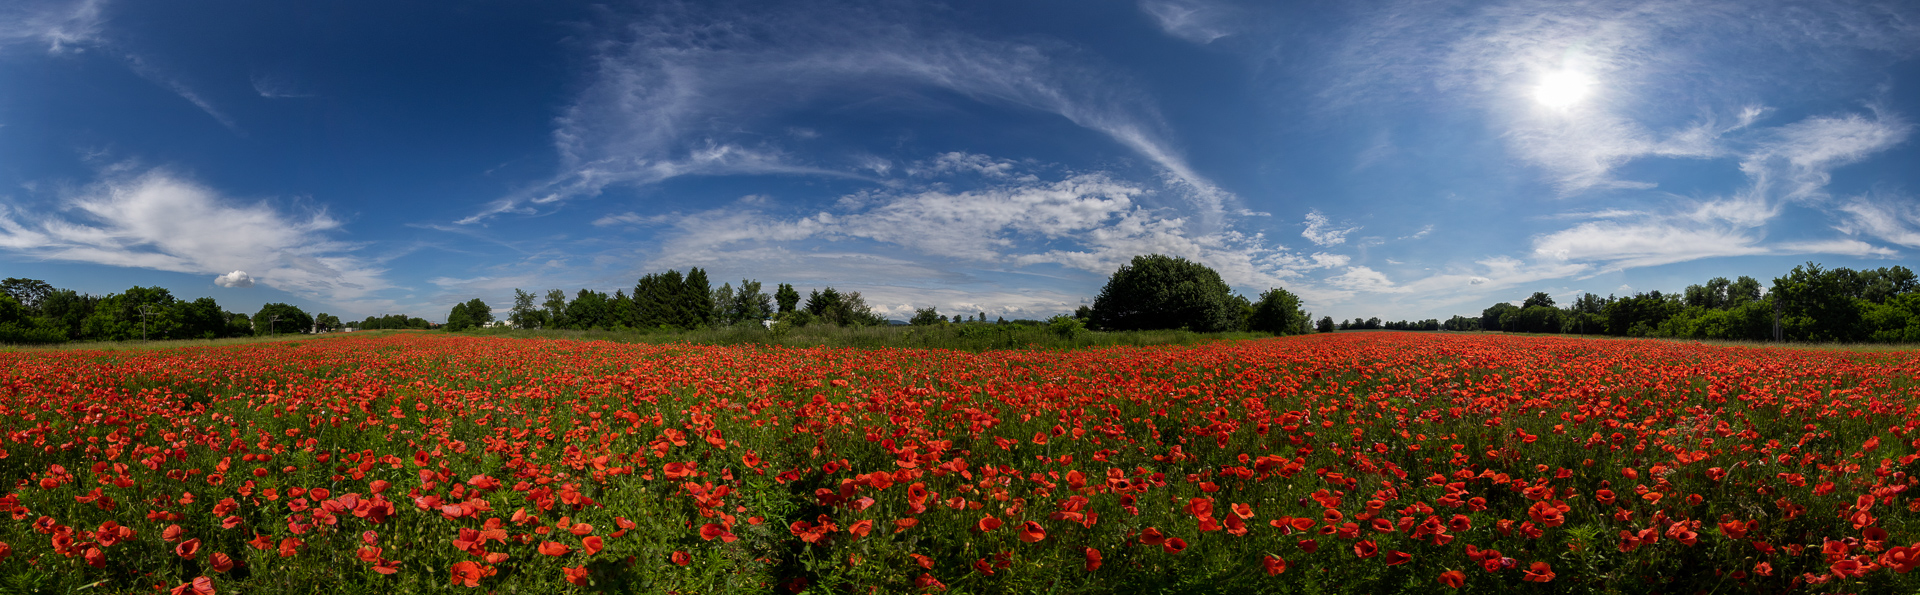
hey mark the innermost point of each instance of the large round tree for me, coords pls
(1165, 292)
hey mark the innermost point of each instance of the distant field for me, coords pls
(967, 337)
(1379, 462)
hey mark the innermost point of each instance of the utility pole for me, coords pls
(145, 311)
(272, 322)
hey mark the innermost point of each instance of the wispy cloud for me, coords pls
(62, 27)
(278, 86)
(153, 74)
(158, 220)
(685, 80)
(1197, 21)
(1887, 217)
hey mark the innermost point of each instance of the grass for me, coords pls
(962, 337)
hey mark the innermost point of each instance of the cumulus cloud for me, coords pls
(680, 91)
(157, 220)
(234, 279)
(1321, 231)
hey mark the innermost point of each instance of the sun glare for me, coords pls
(1562, 89)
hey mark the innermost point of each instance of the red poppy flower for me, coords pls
(1273, 565)
(1365, 549)
(554, 548)
(680, 558)
(1539, 572)
(172, 533)
(926, 581)
(987, 523)
(904, 524)
(1453, 578)
(1460, 523)
(1174, 545)
(1396, 558)
(577, 576)
(198, 586)
(290, 547)
(859, 529)
(593, 544)
(1152, 536)
(1032, 532)
(1309, 546)
(188, 549)
(1093, 559)
(222, 562)
(468, 574)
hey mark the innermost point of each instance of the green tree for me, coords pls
(28, 293)
(787, 298)
(1490, 317)
(750, 303)
(927, 316)
(277, 318)
(524, 313)
(1539, 298)
(657, 301)
(1325, 325)
(696, 300)
(723, 307)
(620, 310)
(458, 319)
(1162, 292)
(199, 319)
(555, 309)
(18, 325)
(590, 310)
(1278, 312)
(1818, 304)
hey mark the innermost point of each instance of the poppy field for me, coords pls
(1353, 462)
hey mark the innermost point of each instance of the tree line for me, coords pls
(1808, 303)
(33, 311)
(672, 301)
(1151, 292)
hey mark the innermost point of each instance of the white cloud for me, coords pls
(1322, 231)
(1365, 280)
(1889, 218)
(671, 83)
(1803, 154)
(156, 220)
(1425, 230)
(1197, 21)
(1325, 260)
(62, 27)
(234, 279)
(956, 162)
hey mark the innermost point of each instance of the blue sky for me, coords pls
(1393, 159)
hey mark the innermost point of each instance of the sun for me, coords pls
(1563, 89)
